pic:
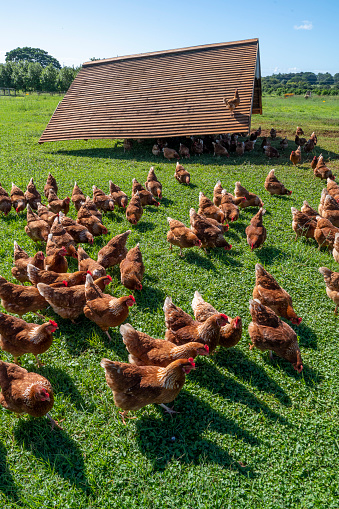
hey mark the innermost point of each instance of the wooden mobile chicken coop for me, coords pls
(162, 94)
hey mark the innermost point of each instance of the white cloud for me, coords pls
(307, 25)
(292, 69)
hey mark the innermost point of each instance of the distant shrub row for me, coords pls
(33, 77)
(299, 83)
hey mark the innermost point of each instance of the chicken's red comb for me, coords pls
(52, 322)
(207, 348)
(65, 283)
(89, 272)
(131, 297)
(109, 278)
(224, 316)
(191, 361)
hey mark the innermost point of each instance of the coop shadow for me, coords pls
(248, 371)
(7, 482)
(63, 383)
(208, 376)
(57, 450)
(115, 152)
(155, 436)
(144, 153)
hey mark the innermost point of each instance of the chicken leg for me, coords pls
(124, 414)
(169, 410)
(54, 423)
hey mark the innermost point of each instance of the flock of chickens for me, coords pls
(157, 367)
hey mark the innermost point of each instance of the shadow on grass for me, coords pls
(144, 226)
(149, 297)
(166, 201)
(246, 370)
(195, 258)
(77, 343)
(307, 337)
(239, 227)
(231, 234)
(143, 152)
(225, 256)
(116, 344)
(55, 448)
(208, 376)
(114, 216)
(179, 439)
(310, 376)
(283, 198)
(268, 254)
(7, 482)
(63, 383)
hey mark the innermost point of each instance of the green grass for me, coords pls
(250, 433)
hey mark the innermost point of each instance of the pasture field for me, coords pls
(251, 433)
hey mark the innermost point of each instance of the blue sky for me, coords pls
(293, 36)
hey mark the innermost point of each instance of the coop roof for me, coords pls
(161, 94)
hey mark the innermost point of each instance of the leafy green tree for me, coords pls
(34, 72)
(310, 77)
(336, 78)
(6, 75)
(65, 78)
(19, 76)
(32, 55)
(48, 79)
(325, 78)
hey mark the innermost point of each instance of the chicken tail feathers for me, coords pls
(32, 272)
(325, 272)
(197, 299)
(127, 332)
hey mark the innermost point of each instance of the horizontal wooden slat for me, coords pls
(171, 93)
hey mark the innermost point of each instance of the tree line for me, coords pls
(301, 82)
(34, 70)
(33, 77)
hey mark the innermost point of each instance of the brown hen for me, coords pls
(134, 386)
